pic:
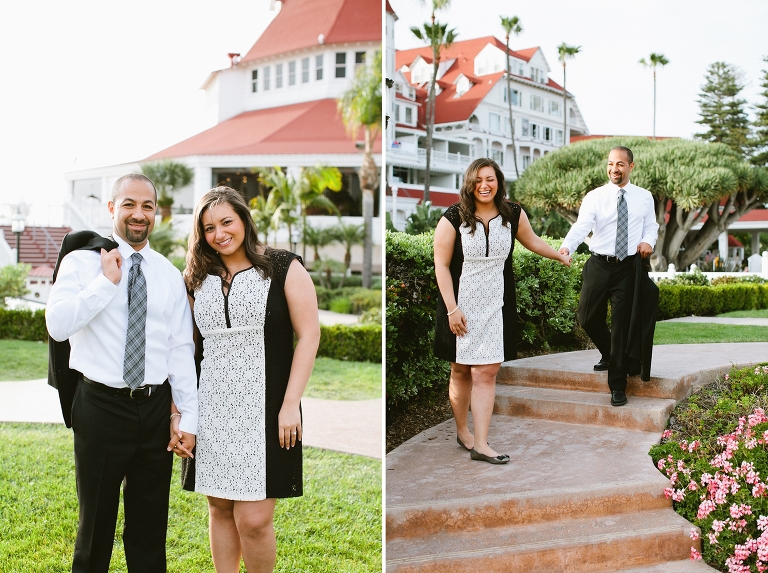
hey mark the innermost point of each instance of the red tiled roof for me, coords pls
(300, 22)
(576, 138)
(450, 108)
(302, 128)
(37, 245)
(734, 242)
(389, 8)
(41, 271)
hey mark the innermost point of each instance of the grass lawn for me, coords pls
(762, 313)
(331, 379)
(23, 360)
(334, 528)
(341, 380)
(698, 333)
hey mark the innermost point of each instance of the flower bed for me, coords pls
(715, 454)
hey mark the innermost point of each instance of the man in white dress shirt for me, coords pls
(122, 404)
(609, 273)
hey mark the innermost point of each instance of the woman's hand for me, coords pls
(564, 259)
(457, 322)
(289, 426)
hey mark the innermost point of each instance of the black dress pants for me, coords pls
(121, 440)
(604, 281)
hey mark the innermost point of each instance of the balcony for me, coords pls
(418, 157)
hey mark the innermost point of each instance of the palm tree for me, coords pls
(168, 176)
(564, 52)
(261, 213)
(361, 106)
(283, 201)
(313, 181)
(317, 238)
(511, 26)
(349, 236)
(437, 36)
(655, 60)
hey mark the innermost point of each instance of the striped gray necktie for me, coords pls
(135, 340)
(622, 224)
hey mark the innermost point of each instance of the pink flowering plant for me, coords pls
(715, 454)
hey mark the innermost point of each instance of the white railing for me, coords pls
(672, 271)
(445, 157)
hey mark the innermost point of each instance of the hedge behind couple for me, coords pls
(476, 321)
(136, 327)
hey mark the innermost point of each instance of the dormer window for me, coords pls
(255, 81)
(462, 85)
(341, 64)
(278, 75)
(319, 67)
(292, 73)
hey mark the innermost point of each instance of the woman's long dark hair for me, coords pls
(467, 194)
(202, 260)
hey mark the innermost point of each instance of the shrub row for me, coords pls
(685, 300)
(357, 343)
(350, 281)
(355, 300)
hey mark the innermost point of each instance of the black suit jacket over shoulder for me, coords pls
(642, 323)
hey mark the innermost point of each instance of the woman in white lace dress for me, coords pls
(248, 301)
(476, 326)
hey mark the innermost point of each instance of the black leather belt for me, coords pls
(612, 258)
(141, 392)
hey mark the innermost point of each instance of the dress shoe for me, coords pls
(602, 366)
(618, 398)
(500, 459)
(458, 439)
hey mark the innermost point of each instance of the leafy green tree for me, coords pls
(654, 60)
(349, 236)
(262, 213)
(163, 239)
(317, 238)
(760, 141)
(283, 201)
(437, 36)
(423, 219)
(565, 52)
(690, 181)
(361, 107)
(13, 281)
(168, 176)
(511, 26)
(325, 267)
(723, 112)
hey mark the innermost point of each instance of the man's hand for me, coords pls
(564, 251)
(110, 265)
(181, 443)
(645, 250)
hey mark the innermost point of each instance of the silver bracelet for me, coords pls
(175, 414)
(454, 310)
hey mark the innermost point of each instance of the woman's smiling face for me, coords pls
(224, 231)
(486, 185)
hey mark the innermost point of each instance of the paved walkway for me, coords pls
(721, 320)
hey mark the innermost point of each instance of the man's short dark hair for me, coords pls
(131, 176)
(626, 150)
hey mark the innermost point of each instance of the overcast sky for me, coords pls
(613, 91)
(88, 83)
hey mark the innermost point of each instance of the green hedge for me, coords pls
(360, 299)
(685, 300)
(547, 297)
(23, 325)
(357, 343)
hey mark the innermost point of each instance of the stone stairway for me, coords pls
(580, 493)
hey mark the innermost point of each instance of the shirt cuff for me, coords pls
(188, 423)
(103, 287)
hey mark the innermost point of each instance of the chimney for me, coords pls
(234, 59)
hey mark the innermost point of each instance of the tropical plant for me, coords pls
(437, 36)
(565, 52)
(722, 110)
(163, 239)
(511, 26)
(361, 107)
(760, 141)
(423, 219)
(313, 182)
(262, 212)
(168, 176)
(691, 182)
(283, 201)
(325, 267)
(654, 60)
(317, 237)
(13, 281)
(349, 236)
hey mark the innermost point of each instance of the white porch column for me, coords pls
(203, 182)
(765, 264)
(755, 242)
(722, 246)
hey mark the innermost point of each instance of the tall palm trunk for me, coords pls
(654, 104)
(430, 121)
(511, 121)
(369, 176)
(565, 110)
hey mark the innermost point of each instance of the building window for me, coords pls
(548, 133)
(397, 113)
(292, 73)
(495, 122)
(255, 81)
(498, 156)
(524, 125)
(526, 161)
(535, 131)
(319, 67)
(304, 70)
(537, 103)
(266, 78)
(359, 60)
(554, 108)
(341, 64)
(401, 173)
(559, 137)
(515, 96)
(409, 115)
(279, 76)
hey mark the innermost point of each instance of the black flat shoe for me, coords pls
(601, 366)
(458, 439)
(618, 398)
(500, 459)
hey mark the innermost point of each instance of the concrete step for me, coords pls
(685, 566)
(647, 414)
(556, 471)
(607, 543)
